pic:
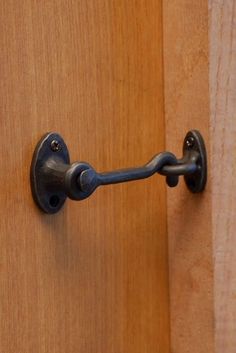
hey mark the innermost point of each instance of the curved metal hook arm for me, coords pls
(164, 163)
(53, 178)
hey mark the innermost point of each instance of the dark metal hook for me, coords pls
(53, 178)
(164, 163)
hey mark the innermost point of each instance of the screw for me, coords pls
(55, 146)
(190, 142)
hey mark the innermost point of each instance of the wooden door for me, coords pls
(93, 278)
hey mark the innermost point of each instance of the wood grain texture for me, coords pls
(222, 32)
(93, 278)
(186, 72)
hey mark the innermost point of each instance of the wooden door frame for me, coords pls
(199, 77)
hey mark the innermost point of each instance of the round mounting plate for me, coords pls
(194, 142)
(50, 146)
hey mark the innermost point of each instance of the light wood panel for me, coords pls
(93, 278)
(186, 74)
(222, 39)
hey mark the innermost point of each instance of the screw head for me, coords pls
(55, 146)
(190, 142)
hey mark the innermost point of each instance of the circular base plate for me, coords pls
(50, 146)
(194, 142)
